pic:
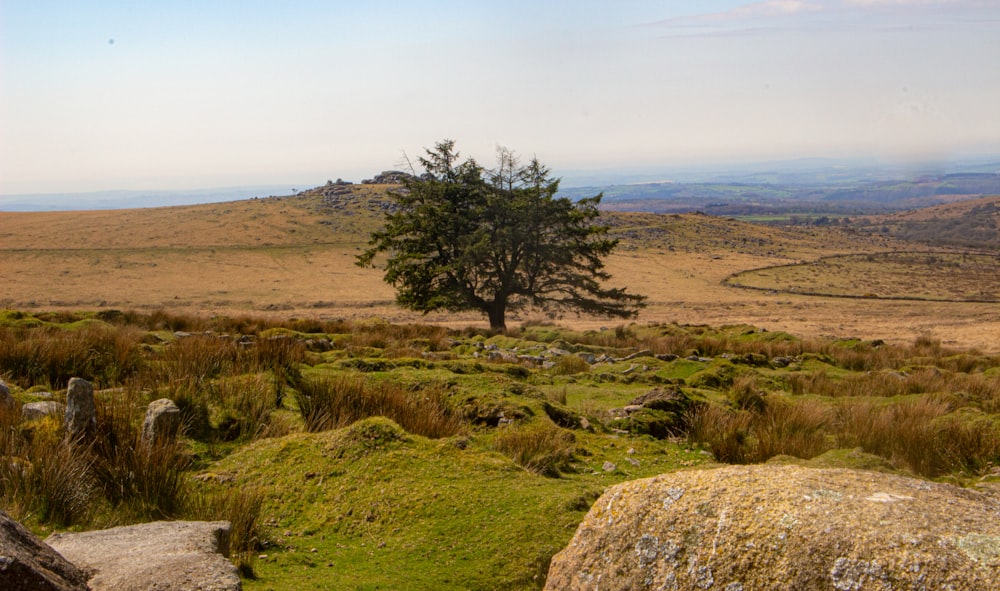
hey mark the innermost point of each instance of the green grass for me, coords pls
(385, 509)
(402, 457)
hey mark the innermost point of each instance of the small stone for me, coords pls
(163, 419)
(6, 398)
(81, 414)
(609, 467)
(33, 411)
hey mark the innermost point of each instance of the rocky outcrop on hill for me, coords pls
(160, 556)
(783, 527)
(27, 564)
(388, 177)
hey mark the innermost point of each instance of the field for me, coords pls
(294, 256)
(355, 445)
(915, 276)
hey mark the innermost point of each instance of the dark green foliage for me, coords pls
(467, 238)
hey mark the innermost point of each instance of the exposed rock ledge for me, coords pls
(743, 528)
(160, 556)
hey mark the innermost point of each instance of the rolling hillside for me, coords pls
(973, 224)
(295, 255)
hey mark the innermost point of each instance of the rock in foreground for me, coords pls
(743, 528)
(27, 564)
(164, 555)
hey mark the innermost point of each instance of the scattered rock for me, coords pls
(638, 354)
(563, 416)
(28, 564)
(609, 467)
(660, 412)
(6, 398)
(789, 527)
(556, 352)
(163, 419)
(319, 345)
(81, 416)
(160, 556)
(35, 410)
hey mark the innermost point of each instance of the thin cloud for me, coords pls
(772, 15)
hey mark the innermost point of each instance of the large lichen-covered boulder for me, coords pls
(743, 528)
(27, 564)
(158, 556)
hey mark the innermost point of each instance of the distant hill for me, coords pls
(972, 224)
(135, 199)
(850, 197)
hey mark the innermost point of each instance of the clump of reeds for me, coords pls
(540, 447)
(331, 403)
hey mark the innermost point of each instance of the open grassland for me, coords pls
(363, 454)
(294, 256)
(927, 276)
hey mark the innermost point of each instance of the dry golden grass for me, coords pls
(940, 276)
(293, 256)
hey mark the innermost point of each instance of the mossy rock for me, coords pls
(655, 423)
(562, 416)
(660, 413)
(714, 377)
(490, 410)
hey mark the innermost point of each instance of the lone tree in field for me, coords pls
(467, 238)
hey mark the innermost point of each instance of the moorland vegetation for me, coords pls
(364, 454)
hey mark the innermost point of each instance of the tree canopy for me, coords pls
(494, 240)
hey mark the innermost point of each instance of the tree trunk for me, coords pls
(497, 312)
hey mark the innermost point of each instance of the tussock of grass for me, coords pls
(540, 447)
(243, 509)
(331, 403)
(42, 474)
(146, 481)
(96, 352)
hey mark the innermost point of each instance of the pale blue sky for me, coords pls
(188, 94)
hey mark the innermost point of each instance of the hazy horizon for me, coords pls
(170, 96)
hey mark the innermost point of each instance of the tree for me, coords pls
(467, 238)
